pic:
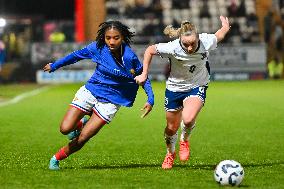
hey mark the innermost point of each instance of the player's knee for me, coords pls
(189, 122)
(63, 131)
(170, 131)
(65, 127)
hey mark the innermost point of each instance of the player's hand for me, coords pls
(140, 79)
(47, 67)
(147, 109)
(225, 22)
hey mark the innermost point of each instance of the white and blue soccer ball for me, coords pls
(229, 173)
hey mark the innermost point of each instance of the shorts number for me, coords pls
(192, 68)
(166, 101)
(201, 89)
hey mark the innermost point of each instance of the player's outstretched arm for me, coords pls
(68, 59)
(220, 34)
(150, 51)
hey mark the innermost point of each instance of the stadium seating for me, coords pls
(139, 14)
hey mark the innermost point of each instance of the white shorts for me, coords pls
(86, 102)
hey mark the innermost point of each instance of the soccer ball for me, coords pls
(229, 173)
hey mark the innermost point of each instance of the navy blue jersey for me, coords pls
(113, 81)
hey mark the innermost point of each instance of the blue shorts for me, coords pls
(174, 100)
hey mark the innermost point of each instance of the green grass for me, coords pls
(243, 121)
(9, 91)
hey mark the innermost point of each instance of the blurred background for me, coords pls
(36, 32)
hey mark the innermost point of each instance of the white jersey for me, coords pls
(187, 70)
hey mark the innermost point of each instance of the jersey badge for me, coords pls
(132, 71)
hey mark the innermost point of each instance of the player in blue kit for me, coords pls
(187, 83)
(111, 86)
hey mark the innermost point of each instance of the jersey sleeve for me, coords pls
(209, 41)
(148, 90)
(147, 85)
(137, 65)
(164, 49)
(71, 58)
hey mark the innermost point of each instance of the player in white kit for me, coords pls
(187, 83)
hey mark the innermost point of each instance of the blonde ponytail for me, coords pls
(171, 31)
(186, 28)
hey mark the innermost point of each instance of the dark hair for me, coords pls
(123, 29)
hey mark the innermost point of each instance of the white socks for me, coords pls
(171, 143)
(185, 132)
(171, 140)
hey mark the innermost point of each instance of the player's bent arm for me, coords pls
(149, 53)
(220, 34)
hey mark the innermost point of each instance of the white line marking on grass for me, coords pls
(23, 96)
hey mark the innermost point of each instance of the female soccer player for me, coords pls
(111, 86)
(186, 86)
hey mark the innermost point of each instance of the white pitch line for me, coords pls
(23, 96)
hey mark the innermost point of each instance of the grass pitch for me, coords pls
(243, 121)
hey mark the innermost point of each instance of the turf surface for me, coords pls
(243, 121)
